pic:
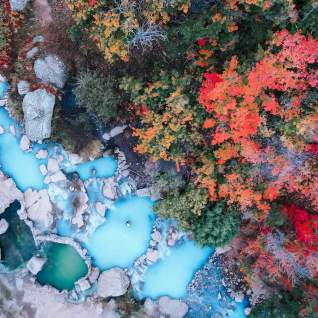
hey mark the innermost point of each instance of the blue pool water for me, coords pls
(102, 168)
(21, 166)
(116, 244)
(171, 275)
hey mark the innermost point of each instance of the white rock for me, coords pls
(93, 276)
(100, 208)
(112, 283)
(109, 189)
(106, 136)
(51, 70)
(8, 192)
(25, 143)
(172, 308)
(247, 311)
(145, 192)
(1, 130)
(39, 207)
(35, 264)
(74, 159)
(117, 130)
(125, 173)
(57, 177)
(43, 169)
(4, 225)
(23, 87)
(41, 154)
(165, 307)
(38, 39)
(38, 111)
(18, 5)
(83, 284)
(156, 236)
(222, 250)
(47, 180)
(152, 255)
(53, 165)
(31, 53)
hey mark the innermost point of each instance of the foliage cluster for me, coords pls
(10, 22)
(117, 27)
(241, 113)
(96, 93)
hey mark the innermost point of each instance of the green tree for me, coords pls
(216, 226)
(97, 94)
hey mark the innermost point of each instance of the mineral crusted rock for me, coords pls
(83, 284)
(38, 111)
(152, 255)
(39, 207)
(100, 208)
(165, 307)
(23, 87)
(172, 237)
(57, 176)
(4, 225)
(51, 70)
(41, 154)
(35, 264)
(145, 192)
(25, 143)
(8, 192)
(109, 189)
(112, 283)
(53, 165)
(74, 159)
(93, 276)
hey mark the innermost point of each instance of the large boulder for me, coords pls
(112, 283)
(38, 207)
(51, 70)
(35, 264)
(18, 5)
(38, 111)
(8, 192)
(165, 307)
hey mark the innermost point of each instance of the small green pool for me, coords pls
(63, 268)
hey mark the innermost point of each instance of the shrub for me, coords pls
(217, 226)
(184, 205)
(97, 94)
(76, 134)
